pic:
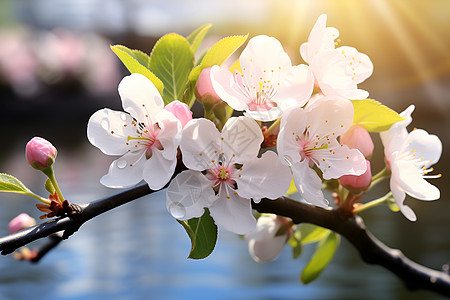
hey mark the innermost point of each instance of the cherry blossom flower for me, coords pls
(308, 137)
(268, 85)
(225, 173)
(146, 136)
(410, 157)
(180, 110)
(40, 153)
(358, 137)
(20, 222)
(269, 237)
(336, 71)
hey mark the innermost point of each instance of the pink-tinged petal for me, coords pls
(234, 214)
(188, 194)
(158, 170)
(264, 57)
(200, 144)
(180, 110)
(357, 137)
(359, 64)
(321, 38)
(227, 89)
(393, 138)
(264, 177)
(108, 130)
(425, 147)
(292, 125)
(331, 116)
(125, 171)
(140, 97)
(170, 133)
(297, 86)
(340, 161)
(242, 137)
(406, 175)
(399, 196)
(309, 184)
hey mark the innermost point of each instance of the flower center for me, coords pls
(147, 139)
(223, 175)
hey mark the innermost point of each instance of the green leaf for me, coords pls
(171, 60)
(294, 242)
(9, 183)
(137, 62)
(312, 233)
(218, 53)
(197, 36)
(320, 259)
(203, 234)
(374, 116)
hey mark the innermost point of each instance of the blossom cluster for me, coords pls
(229, 166)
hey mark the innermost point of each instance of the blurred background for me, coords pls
(56, 69)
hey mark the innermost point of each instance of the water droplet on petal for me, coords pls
(121, 163)
(177, 210)
(105, 124)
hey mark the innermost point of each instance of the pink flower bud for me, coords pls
(204, 90)
(20, 222)
(40, 153)
(180, 110)
(357, 184)
(357, 137)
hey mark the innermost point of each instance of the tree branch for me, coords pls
(372, 251)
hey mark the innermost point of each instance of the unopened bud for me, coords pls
(180, 110)
(204, 90)
(20, 222)
(40, 153)
(357, 137)
(357, 184)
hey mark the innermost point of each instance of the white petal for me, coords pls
(242, 137)
(264, 115)
(427, 147)
(339, 161)
(408, 178)
(297, 86)
(188, 194)
(292, 124)
(158, 170)
(126, 171)
(321, 38)
(399, 196)
(266, 250)
(227, 89)
(264, 177)
(170, 134)
(308, 183)
(331, 116)
(234, 214)
(140, 97)
(266, 227)
(264, 53)
(108, 130)
(200, 144)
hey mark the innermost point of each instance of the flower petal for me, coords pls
(399, 196)
(264, 57)
(158, 170)
(266, 250)
(264, 115)
(242, 137)
(309, 184)
(227, 89)
(427, 147)
(140, 97)
(200, 144)
(292, 125)
(264, 177)
(125, 171)
(188, 194)
(408, 178)
(234, 214)
(296, 89)
(108, 130)
(170, 134)
(339, 161)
